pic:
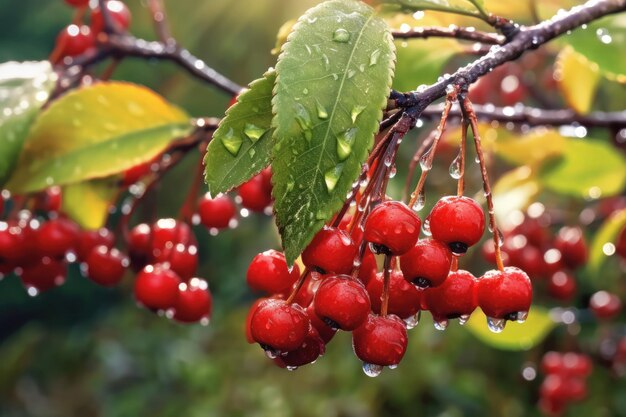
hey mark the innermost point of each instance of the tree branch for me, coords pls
(452, 31)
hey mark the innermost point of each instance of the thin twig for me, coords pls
(452, 31)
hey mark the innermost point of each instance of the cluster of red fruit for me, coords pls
(565, 380)
(342, 290)
(77, 38)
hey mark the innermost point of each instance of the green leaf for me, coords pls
(88, 202)
(588, 168)
(603, 42)
(515, 336)
(607, 233)
(24, 88)
(333, 80)
(514, 190)
(242, 145)
(96, 132)
(531, 148)
(453, 6)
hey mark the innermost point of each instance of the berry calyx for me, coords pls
(427, 264)
(279, 327)
(392, 228)
(216, 212)
(106, 266)
(457, 221)
(342, 302)
(381, 340)
(156, 287)
(194, 302)
(331, 251)
(505, 294)
(268, 272)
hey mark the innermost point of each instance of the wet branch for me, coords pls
(452, 31)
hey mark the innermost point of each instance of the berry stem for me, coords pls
(298, 286)
(469, 114)
(460, 189)
(386, 280)
(79, 15)
(189, 206)
(426, 143)
(454, 266)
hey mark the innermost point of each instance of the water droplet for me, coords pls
(253, 132)
(477, 159)
(271, 354)
(392, 367)
(331, 177)
(412, 321)
(291, 368)
(372, 370)
(335, 77)
(290, 185)
(232, 143)
(374, 57)
(327, 64)
(345, 140)
(463, 318)
(351, 73)
(496, 325)
(604, 36)
(455, 167)
(441, 324)
(420, 201)
(305, 91)
(522, 316)
(356, 110)
(425, 163)
(251, 152)
(341, 35)
(321, 111)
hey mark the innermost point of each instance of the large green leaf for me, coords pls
(603, 42)
(242, 144)
(454, 6)
(606, 234)
(588, 168)
(96, 132)
(24, 88)
(334, 75)
(88, 202)
(515, 336)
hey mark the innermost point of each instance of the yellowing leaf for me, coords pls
(606, 234)
(88, 202)
(515, 336)
(531, 148)
(281, 36)
(577, 79)
(515, 190)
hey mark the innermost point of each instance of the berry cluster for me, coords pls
(565, 380)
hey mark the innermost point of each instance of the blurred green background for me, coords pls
(81, 350)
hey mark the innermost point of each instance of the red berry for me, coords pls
(455, 298)
(119, 14)
(571, 242)
(553, 388)
(505, 294)
(89, 239)
(279, 327)
(380, 340)
(552, 362)
(134, 174)
(326, 333)
(342, 302)
(77, 3)
(562, 286)
(42, 275)
(620, 244)
(576, 364)
(331, 251)
(251, 312)
(368, 267)
(10, 239)
(254, 194)
(268, 272)
(216, 212)
(605, 305)
(534, 229)
(392, 228)
(106, 266)
(74, 40)
(459, 222)
(311, 349)
(266, 179)
(140, 245)
(427, 264)
(404, 298)
(57, 237)
(156, 287)
(48, 200)
(181, 259)
(167, 233)
(304, 297)
(194, 302)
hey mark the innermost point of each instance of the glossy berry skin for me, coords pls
(576, 364)
(605, 305)
(305, 295)
(167, 233)
(119, 13)
(75, 40)
(11, 238)
(140, 245)
(562, 286)
(43, 274)
(504, 294)
(311, 349)
(156, 287)
(368, 267)
(551, 362)
(570, 241)
(452, 299)
(57, 237)
(181, 259)
(392, 228)
(459, 222)
(194, 301)
(404, 298)
(106, 266)
(268, 272)
(89, 239)
(254, 194)
(331, 251)
(342, 302)
(325, 332)
(216, 212)
(251, 312)
(49, 200)
(380, 340)
(427, 264)
(279, 327)
(77, 3)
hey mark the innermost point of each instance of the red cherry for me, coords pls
(181, 259)
(427, 264)
(279, 327)
(562, 286)
(311, 349)
(505, 294)
(534, 229)
(380, 340)
(553, 389)
(74, 40)
(392, 228)
(620, 245)
(254, 194)
(134, 174)
(326, 333)
(268, 272)
(156, 287)
(305, 295)
(167, 233)
(605, 305)
(10, 242)
(452, 299)
(119, 14)
(266, 179)
(106, 266)
(42, 275)
(459, 222)
(194, 302)
(26, 245)
(48, 200)
(552, 362)
(57, 237)
(342, 302)
(89, 239)
(251, 312)
(216, 212)
(575, 389)
(551, 407)
(404, 298)
(331, 251)
(571, 242)
(77, 3)
(368, 267)
(576, 364)
(140, 245)
(524, 256)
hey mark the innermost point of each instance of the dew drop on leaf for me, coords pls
(232, 143)
(341, 35)
(374, 57)
(345, 140)
(321, 111)
(253, 132)
(356, 110)
(331, 177)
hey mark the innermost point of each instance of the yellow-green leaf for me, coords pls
(578, 79)
(514, 190)
(96, 132)
(515, 336)
(531, 148)
(88, 202)
(599, 252)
